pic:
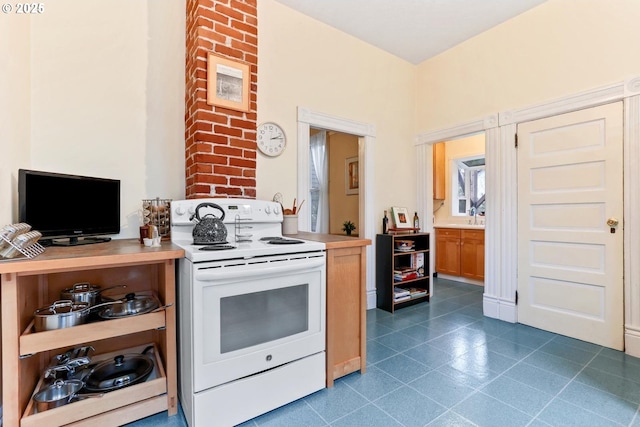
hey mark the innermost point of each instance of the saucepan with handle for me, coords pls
(63, 314)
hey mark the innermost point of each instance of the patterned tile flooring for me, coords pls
(443, 363)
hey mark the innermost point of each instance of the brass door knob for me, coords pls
(612, 222)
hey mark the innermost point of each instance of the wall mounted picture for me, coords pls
(351, 177)
(227, 83)
(401, 217)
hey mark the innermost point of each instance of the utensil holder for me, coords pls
(290, 224)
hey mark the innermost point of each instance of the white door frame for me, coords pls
(501, 220)
(366, 134)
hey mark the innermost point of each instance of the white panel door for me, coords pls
(570, 263)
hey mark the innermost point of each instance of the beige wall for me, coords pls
(14, 109)
(558, 48)
(303, 62)
(456, 149)
(342, 207)
(107, 96)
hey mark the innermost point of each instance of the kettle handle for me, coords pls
(207, 204)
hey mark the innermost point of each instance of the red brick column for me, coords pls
(220, 144)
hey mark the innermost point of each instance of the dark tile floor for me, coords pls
(443, 363)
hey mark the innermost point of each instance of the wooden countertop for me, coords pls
(461, 226)
(333, 241)
(120, 251)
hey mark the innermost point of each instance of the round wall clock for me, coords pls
(271, 139)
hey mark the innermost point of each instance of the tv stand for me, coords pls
(74, 241)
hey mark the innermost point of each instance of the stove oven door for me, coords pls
(250, 316)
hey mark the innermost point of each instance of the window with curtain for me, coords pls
(319, 185)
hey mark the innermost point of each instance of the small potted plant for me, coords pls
(348, 227)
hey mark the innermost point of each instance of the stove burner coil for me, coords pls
(217, 248)
(284, 242)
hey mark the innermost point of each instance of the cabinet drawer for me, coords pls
(472, 234)
(448, 232)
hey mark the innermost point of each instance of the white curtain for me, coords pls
(318, 147)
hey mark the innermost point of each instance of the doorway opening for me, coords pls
(334, 181)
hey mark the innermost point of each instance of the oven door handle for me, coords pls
(257, 270)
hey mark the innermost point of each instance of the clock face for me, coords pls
(271, 139)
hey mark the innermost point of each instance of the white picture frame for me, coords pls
(401, 217)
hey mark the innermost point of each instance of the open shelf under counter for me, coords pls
(35, 342)
(28, 284)
(117, 401)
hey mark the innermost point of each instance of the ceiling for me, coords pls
(414, 30)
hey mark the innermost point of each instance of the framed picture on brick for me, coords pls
(227, 83)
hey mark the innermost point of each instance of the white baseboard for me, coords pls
(499, 309)
(632, 341)
(371, 300)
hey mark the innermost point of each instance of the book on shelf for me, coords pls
(404, 298)
(417, 263)
(417, 292)
(405, 276)
(400, 292)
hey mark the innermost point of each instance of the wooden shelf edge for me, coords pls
(126, 414)
(31, 343)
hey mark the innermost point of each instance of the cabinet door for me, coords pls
(439, 187)
(472, 254)
(448, 251)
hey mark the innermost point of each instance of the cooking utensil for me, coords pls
(63, 314)
(59, 393)
(131, 305)
(209, 229)
(121, 371)
(66, 365)
(86, 292)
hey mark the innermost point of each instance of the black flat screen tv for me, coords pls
(69, 209)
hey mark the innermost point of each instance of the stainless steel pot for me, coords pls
(85, 292)
(209, 228)
(131, 305)
(59, 393)
(63, 314)
(123, 370)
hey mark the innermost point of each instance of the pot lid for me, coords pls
(81, 288)
(121, 371)
(61, 307)
(132, 304)
(59, 389)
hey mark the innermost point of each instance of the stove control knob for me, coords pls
(267, 210)
(276, 210)
(180, 210)
(191, 210)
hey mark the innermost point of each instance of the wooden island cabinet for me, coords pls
(346, 303)
(30, 284)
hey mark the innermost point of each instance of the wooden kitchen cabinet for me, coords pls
(472, 254)
(346, 349)
(448, 251)
(460, 252)
(439, 171)
(30, 284)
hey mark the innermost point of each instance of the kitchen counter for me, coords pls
(346, 302)
(461, 226)
(333, 241)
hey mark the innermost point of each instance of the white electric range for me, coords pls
(251, 312)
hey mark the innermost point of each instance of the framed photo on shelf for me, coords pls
(401, 217)
(227, 83)
(351, 176)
